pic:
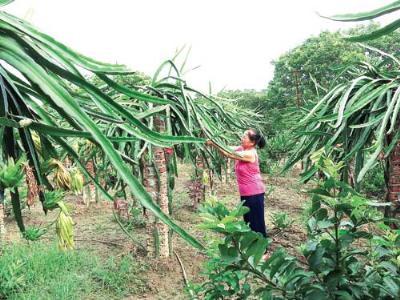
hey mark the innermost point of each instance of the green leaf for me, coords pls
(388, 266)
(375, 34)
(369, 15)
(278, 262)
(378, 204)
(16, 205)
(343, 101)
(321, 214)
(150, 112)
(133, 93)
(316, 257)
(392, 286)
(5, 2)
(256, 251)
(247, 239)
(324, 224)
(8, 122)
(62, 132)
(368, 124)
(228, 254)
(343, 295)
(316, 294)
(64, 51)
(305, 176)
(297, 275)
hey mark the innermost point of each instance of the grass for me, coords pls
(40, 271)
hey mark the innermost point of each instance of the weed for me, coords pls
(281, 220)
(39, 271)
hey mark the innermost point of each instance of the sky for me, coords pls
(232, 41)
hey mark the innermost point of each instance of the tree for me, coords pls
(308, 71)
(38, 94)
(359, 120)
(301, 77)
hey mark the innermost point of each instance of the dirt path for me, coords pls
(97, 231)
(290, 197)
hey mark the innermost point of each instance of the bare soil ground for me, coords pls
(97, 231)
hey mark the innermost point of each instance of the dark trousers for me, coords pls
(255, 217)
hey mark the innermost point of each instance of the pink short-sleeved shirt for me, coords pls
(248, 177)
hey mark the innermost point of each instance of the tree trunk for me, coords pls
(228, 170)
(393, 194)
(33, 188)
(196, 186)
(298, 94)
(211, 182)
(150, 184)
(156, 183)
(162, 228)
(2, 223)
(89, 192)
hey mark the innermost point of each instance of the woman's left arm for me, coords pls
(247, 155)
(238, 155)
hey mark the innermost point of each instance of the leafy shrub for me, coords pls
(132, 218)
(267, 165)
(281, 220)
(137, 220)
(119, 194)
(224, 283)
(343, 259)
(276, 150)
(278, 146)
(373, 183)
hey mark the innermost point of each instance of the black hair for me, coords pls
(257, 138)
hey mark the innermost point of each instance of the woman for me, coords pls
(251, 187)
